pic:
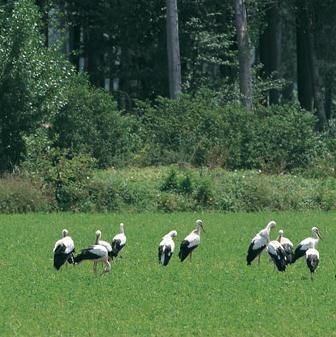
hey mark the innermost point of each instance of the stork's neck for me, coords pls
(198, 230)
(316, 237)
(122, 230)
(97, 239)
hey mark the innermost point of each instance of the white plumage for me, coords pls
(118, 241)
(259, 243)
(287, 245)
(305, 244)
(63, 250)
(277, 254)
(95, 253)
(191, 241)
(166, 248)
(103, 243)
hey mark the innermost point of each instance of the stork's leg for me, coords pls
(258, 259)
(311, 276)
(190, 256)
(107, 267)
(94, 266)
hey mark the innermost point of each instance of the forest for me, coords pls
(108, 84)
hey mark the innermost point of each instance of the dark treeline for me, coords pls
(238, 84)
(122, 45)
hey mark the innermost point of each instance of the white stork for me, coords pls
(63, 250)
(166, 248)
(191, 241)
(312, 258)
(303, 246)
(287, 245)
(95, 253)
(277, 254)
(259, 243)
(103, 243)
(118, 241)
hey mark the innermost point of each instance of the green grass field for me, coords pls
(215, 295)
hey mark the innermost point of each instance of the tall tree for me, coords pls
(244, 55)
(173, 49)
(270, 46)
(309, 81)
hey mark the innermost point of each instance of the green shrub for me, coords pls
(63, 172)
(21, 195)
(90, 123)
(170, 183)
(140, 190)
(199, 131)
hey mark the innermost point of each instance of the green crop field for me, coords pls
(214, 295)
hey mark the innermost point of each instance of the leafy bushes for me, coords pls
(20, 195)
(201, 131)
(142, 190)
(90, 123)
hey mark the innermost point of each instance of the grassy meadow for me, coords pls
(214, 295)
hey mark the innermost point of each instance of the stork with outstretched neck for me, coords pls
(191, 241)
(118, 242)
(259, 243)
(304, 245)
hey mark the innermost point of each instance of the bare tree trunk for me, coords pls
(304, 73)
(309, 81)
(244, 55)
(317, 86)
(173, 50)
(329, 85)
(271, 47)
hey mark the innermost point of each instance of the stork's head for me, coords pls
(199, 225)
(173, 234)
(281, 232)
(98, 233)
(65, 233)
(271, 224)
(316, 232)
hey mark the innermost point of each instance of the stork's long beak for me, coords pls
(319, 235)
(202, 228)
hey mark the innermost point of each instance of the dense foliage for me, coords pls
(73, 187)
(57, 128)
(33, 79)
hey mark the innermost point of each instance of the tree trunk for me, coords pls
(244, 55)
(304, 69)
(317, 85)
(270, 47)
(329, 85)
(309, 81)
(173, 50)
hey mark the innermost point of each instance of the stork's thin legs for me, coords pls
(107, 267)
(190, 256)
(258, 259)
(311, 276)
(94, 267)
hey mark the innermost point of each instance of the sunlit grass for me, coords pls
(215, 295)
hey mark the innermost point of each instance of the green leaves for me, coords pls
(33, 79)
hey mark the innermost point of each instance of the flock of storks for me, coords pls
(281, 250)
(104, 252)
